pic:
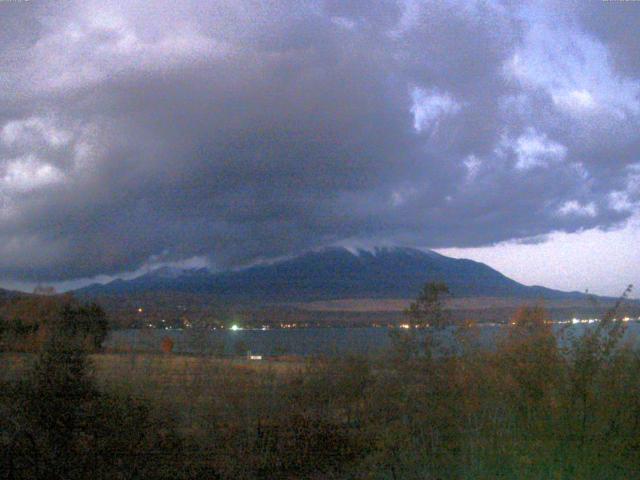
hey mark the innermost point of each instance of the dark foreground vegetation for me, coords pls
(528, 409)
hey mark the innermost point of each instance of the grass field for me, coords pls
(167, 368)
(456, 303)
(185, 386)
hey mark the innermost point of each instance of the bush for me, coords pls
(167, 345)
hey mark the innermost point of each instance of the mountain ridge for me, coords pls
(335, 273)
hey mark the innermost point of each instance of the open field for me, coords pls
(368, 311)
(462, 303)
(187, 388)
(166, 369)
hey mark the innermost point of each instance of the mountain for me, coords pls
(335, 273)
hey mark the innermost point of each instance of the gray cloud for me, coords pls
(243, 130)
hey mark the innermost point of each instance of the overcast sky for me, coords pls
(224, 132)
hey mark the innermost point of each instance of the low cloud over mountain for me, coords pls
(335, 273)
(137, 132)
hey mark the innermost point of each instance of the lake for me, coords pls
(299, 341)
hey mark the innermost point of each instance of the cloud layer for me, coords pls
(139, 132)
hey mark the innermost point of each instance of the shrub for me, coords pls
(166, 345)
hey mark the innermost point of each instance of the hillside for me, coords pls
(7, 294)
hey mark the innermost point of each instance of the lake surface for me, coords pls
(302, 341)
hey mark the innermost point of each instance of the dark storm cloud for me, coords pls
(245, 130)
